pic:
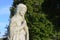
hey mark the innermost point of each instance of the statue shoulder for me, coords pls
(13, 18)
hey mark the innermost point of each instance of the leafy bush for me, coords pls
(40, 28)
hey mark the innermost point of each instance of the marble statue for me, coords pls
(18, 25)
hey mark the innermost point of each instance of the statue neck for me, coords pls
(20, 15)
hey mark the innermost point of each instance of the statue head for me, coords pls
(21, 9)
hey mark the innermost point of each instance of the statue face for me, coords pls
(21, 8)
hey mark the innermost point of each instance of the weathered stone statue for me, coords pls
(18, 25)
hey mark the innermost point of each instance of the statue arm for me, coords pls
(27, 31)
(25, 27)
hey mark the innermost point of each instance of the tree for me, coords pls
(40, 28)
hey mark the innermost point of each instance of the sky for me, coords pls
(4, 15)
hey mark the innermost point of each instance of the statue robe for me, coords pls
(17, 31)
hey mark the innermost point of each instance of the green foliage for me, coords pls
(40, 28)
(12, 10)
